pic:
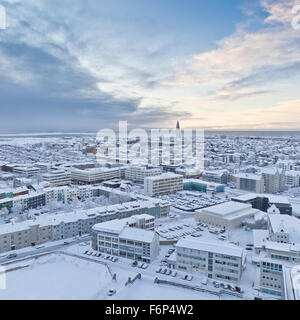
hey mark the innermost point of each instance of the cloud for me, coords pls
(279, 11)
(91, 65)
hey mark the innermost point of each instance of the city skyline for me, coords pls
(79, 67)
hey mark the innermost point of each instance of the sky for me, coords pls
(85, 65)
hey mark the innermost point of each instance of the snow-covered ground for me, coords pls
(56, 277)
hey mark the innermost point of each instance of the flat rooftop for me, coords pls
(211, 246)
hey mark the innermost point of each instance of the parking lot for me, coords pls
(190, 201)
(175, 231)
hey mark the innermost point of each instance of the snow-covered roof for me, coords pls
(245, 197)
(273, 210)
(249, 176)
(211, 246)
(117, 225)
(259, 236)
(289, 224)
(166, 175)
(227, 208)
(137, 234)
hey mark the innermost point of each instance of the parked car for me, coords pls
(86, 252)
(158, 270)
(169, 272)
(174, 274)
(239, 290)
(134, 263)
(189, 278)
(111, 292)
(145, 266)
(12, 255)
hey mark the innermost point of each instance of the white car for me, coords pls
(189, 278)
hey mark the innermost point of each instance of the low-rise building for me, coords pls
(163, 184)
(250, 182)
(47, 228)
(228, 215)
(57, 178)
(273, 259)
(216, 260)
(27, 171)
(131, 238)
(94, 175)
(203, 186)
(138, 174)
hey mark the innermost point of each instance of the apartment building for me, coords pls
(218, 176)
(57, 178)
(131, 238)
(216, 260)
(26, 171)
(48, 228)
(292, 178)
(203, 186)
(30, 201)
(163, 184)
(274, 179)
(228, 215)
(138, 174)
(57, 194)
(250, 182)
(94, 175)
(11, 193)
(274, 258)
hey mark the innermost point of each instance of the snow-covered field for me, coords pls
(56, 277)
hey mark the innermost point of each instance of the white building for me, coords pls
(216, 260)
(131, 238)
(138, 174)
(284, 228)
(57, 178)
(292, 178)
(274, 179)
(250, 182)
(163, 184)
(94, 175)
(228, 215)
(26, 171)
(48, 228)
(273, 260)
